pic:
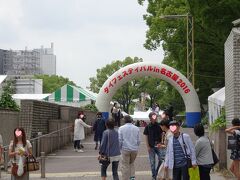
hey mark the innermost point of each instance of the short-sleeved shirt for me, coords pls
(154, 133)
(28, 145)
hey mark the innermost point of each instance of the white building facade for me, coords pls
(47, 60)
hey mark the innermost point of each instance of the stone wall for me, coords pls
(232, 85)
(35, 115)
(8, 122)
(232, 75)
(39, 116)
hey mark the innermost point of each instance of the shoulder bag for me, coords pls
(215, 158)
(233, 143)
(105, 159)
(189, 161)
(32, 163)
(14, 169)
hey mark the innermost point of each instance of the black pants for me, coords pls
(114, 170)
(181, 173)
(77, 144)
(204, 172)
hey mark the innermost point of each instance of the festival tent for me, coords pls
(2, 78)
(72, 96)
(215, 104)
(143, 115)
(19, 97)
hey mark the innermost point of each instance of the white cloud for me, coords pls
(87, 34)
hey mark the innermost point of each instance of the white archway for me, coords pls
(161, 71)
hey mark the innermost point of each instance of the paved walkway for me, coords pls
(66, 164)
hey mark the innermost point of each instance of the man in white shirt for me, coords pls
(129, 139)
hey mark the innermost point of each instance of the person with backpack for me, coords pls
(19, 149)
(98, 127)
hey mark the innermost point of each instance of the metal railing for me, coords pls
(44, 144)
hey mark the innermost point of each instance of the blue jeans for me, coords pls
(160, 153)
(114, 170)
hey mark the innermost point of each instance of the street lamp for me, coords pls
(190, 44)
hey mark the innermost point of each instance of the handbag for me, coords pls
(105, 159)
(189, 161)
(194, 173)
(233, 143)
(214, 155)
(32, 164)
(14, 170)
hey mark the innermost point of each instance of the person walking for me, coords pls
(179, 147)
(203, 151)
(98, 127)
(19, 149)
(129, 139)
(162, 173)
(110, 147)
(235, 153)
(153, 135)
(79, 132)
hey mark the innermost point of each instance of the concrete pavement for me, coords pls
(66, 164)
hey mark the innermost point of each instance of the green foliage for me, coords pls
(127, 92)
(90, 107)
(220, 122)
(6, 100)
(204, 120)
(54, 82)
(211, 30)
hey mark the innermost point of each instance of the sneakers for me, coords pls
(75, 150)
(80, 151)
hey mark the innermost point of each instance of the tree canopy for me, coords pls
(211, 29)
(127, 92)
(54, 82)
(6, 100)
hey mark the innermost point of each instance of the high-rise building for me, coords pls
(28, 62)
(47, 60)
(21, 62)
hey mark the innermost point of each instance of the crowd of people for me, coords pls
(170, 151)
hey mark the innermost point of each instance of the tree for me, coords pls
(54, 82)
(151, 86)
(127, 92)
(211, 31)
(6, 100)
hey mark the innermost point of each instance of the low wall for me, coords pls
(34, 116)
(9, 120)
(220, 145)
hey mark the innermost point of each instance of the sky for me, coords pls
(87, 34)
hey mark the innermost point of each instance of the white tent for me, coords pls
(30, 96)
(142, 115)
(2, 78)
(19, 97)
(215, 104)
